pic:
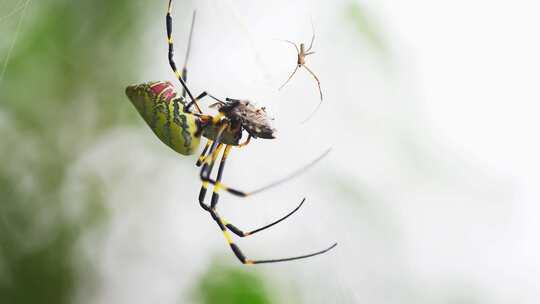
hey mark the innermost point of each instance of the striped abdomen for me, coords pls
(163, 110)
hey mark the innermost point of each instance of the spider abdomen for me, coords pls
(163, 110)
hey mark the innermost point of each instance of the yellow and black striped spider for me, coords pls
(176, 124)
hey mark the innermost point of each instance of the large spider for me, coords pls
(173, 120)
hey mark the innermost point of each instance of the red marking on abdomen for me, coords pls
(166, 89)
(157, 88)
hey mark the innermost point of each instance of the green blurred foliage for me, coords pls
(231, 285)
(366, 26)
(61, 88)
(66, 50)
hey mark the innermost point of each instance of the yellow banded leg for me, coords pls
(182, 77)
(206, 170)
(241, 233)
(236, 250)
(225, 226)
(205, 176)
(215, 199)
(242, 258)
(209, 161)
(217, 185)
(168, 23)
(202, 157)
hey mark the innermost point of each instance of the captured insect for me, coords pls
(179, 122)
(302, 53)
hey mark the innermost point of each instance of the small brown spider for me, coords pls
(302, 53)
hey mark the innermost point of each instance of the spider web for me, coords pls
(20, 9)
(241, 23)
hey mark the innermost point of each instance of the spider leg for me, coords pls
(241, 233)
(215, 198)
(295, 69)
(245, 143)
(295, 46)
(184, 69)
(240, 255)
(205, 177)
(208, 164)
(312, 37)
(201, 96)
(168, 22)
(320, 92)
(225, 226)
(209, 159)
(202, 157)
(215, 194)
(316, 79)
(183, 77)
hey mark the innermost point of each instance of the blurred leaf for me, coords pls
(231, 285)
(367, 28)
(62, 87)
